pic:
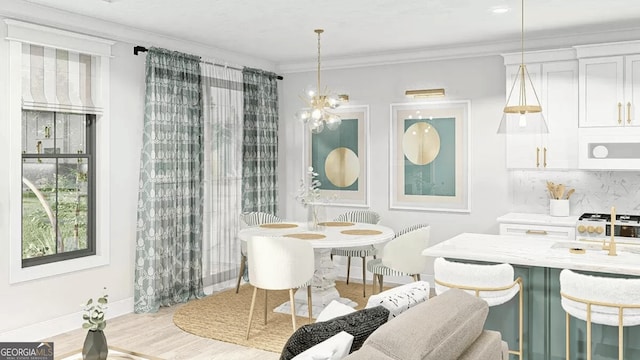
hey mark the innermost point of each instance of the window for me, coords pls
(58, 151)
(58, 198)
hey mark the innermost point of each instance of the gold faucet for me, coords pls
(612, 243)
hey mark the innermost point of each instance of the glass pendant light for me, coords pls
(522, 114)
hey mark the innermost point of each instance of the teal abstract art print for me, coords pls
(430, 156)
(341, 158)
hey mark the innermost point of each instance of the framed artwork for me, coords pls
(429, 156)
(341, 158)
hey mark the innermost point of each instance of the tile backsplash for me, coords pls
(596, 191)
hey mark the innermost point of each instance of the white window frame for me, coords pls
(22, 32)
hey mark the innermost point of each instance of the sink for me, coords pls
(594, 247)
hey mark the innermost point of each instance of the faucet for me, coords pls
(612, 243)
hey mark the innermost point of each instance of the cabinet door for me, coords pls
(632, 90)
(601, 91)
(560, 108)
(524, 151)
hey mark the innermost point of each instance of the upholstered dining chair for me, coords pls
(493, 283)
(279, 263)
(253, 218)
(402, 256)
(358, 216)
(602, 300)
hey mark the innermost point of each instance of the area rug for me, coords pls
(223, 316)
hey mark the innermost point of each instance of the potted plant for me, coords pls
(95, 344)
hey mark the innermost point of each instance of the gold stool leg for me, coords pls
(265, 306)
(309, 305)
(380, 283)
(293, 310)
(364, 276)
(348, 268)
(521, 319)
(567, 336)
(588, 331)
(243, 262)
(620, 336)
(253, 303)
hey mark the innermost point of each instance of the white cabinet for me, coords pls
(556, 84)
(610, 91)
(609, 84)
(538, 226)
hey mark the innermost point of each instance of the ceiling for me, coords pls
(281, 31)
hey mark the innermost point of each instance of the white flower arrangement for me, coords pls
(94, 313)
(309, 190)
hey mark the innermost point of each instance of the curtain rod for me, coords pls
(138, 49)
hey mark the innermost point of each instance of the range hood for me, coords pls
(606, 148)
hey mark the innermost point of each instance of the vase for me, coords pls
(95, 346)
(313, 218)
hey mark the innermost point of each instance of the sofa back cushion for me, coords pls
(442, 327)
(360, 324)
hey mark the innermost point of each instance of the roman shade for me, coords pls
(60, 80)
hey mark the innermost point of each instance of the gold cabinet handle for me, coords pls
(619, 113)
(544, 157)
(537, 157)
(537, 232)
(629, 112)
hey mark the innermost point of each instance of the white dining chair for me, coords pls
(358, 216)
(494, 283)
(253, 218)
(279, 263)
(402, 256)
(602, 300)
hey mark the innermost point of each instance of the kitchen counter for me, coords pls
(537, 219)
(538, 262)
(549, 253)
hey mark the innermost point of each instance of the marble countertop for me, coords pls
(520, 250)
(537, 219)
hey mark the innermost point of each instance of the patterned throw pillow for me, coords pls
(401, 298)
(360, 324)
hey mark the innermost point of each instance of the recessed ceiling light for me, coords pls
(500, 9)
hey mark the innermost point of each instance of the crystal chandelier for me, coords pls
(522, 116)
(317, 113)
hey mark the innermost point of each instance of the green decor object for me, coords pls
(168, 259)
(260, 144)
(95, 346)
(95, 343)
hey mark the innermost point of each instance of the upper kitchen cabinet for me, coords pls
(609, 84)
(555, 77)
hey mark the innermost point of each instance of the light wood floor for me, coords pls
(156, 335)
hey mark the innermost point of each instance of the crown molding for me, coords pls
(540, 43)
(47, 16)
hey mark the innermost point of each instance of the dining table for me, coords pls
(324, 237)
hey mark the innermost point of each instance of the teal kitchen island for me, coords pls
(539, 262)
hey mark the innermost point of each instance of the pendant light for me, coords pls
(318, 113)
(522, 114)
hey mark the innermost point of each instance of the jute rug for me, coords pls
(223, 316)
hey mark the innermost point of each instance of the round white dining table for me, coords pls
(330, 234)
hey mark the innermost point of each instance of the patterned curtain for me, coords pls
(260, 145)
(168, 265)
(222, 114)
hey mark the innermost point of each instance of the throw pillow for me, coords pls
(333, 310)
(401, 298)
(360, 324)
(334, 348)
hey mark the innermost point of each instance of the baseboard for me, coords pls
(49, 328)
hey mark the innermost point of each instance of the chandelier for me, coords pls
(319, 104)
(522, 115)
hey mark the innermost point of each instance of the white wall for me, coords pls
(480, 80)
(36, 309)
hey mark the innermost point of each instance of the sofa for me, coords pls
(447, 326)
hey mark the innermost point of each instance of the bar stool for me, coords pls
(494, 284)
(601, 300)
